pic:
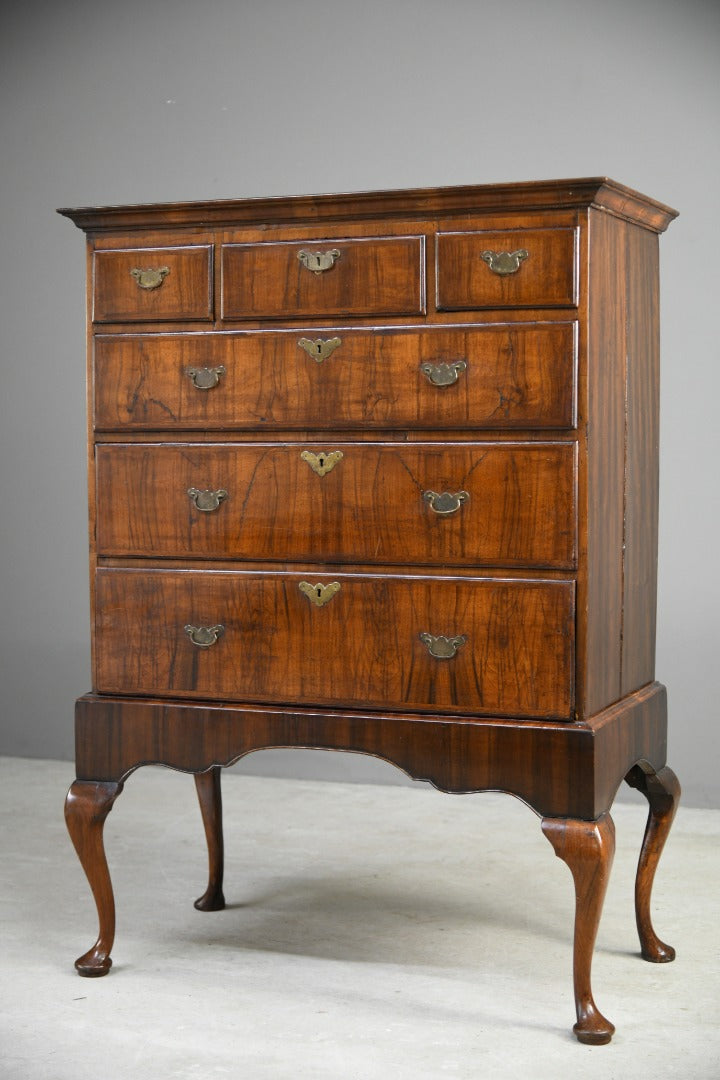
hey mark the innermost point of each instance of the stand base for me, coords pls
(567, 773)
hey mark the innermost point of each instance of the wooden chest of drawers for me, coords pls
(378, 473)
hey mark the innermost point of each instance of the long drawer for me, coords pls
(462, 645)
(510, 375)
(493, 504)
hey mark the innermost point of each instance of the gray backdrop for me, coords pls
(153, 100)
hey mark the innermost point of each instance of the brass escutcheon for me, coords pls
(320, 348)
(207, 500)
(204, 636)
(324, 462)
(319, 594)
(441, 647)
(443, 374)
(150, 278)
(505, 262)
(318, 261)
(445, 503)
(204, 378)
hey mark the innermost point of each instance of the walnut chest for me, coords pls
(378, 473)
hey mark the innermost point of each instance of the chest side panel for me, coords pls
(641, 463)
(622, 459)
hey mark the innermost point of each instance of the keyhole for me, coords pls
(321, 461)
(319, 592)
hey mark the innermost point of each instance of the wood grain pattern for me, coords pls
(605, 450)
(517, 375)
(622, 460)
(363, 647)
(185, 294)
(114, 735)
(519, 510)
(547, 278)
(642, 395)
(380, 275)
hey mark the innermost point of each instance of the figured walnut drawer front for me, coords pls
(495, 504)
(515, 268)
(262, 638)
(377, 276)
(496, 376)
(153, 284)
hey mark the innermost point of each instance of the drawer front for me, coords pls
(499, 376)
(153, 284)
(378, 276)
(492, 504)
(512, 640)
(516, 268)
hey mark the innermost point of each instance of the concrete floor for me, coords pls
(372, 933)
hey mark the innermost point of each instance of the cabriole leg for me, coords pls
(210, 799)
(87, 805)
(588, 848)
(662, 792)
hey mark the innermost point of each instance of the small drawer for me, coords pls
(500, 376)
(376, 276)
(483, 646)
(458, 504)
(153, 284)
(518, 268)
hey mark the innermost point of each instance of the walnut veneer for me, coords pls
(378, 473)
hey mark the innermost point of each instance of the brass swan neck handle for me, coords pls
(443, 374)
(152, 278)
(442, 647)
(503, 263)
(205, 378)
(204, 636)
(444, 503)
(207, 500)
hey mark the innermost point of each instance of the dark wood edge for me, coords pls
(558, 769)
(631, 732)
(413, 202)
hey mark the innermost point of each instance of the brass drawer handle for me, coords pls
(505, 262)
(150, 278)
(319, 594)
(322, 463)
(204, 378)
(204, 636)
(207, 500)
(441, 647)
(443, 374)
(445, 503)
(320, 348)
(318, 261)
